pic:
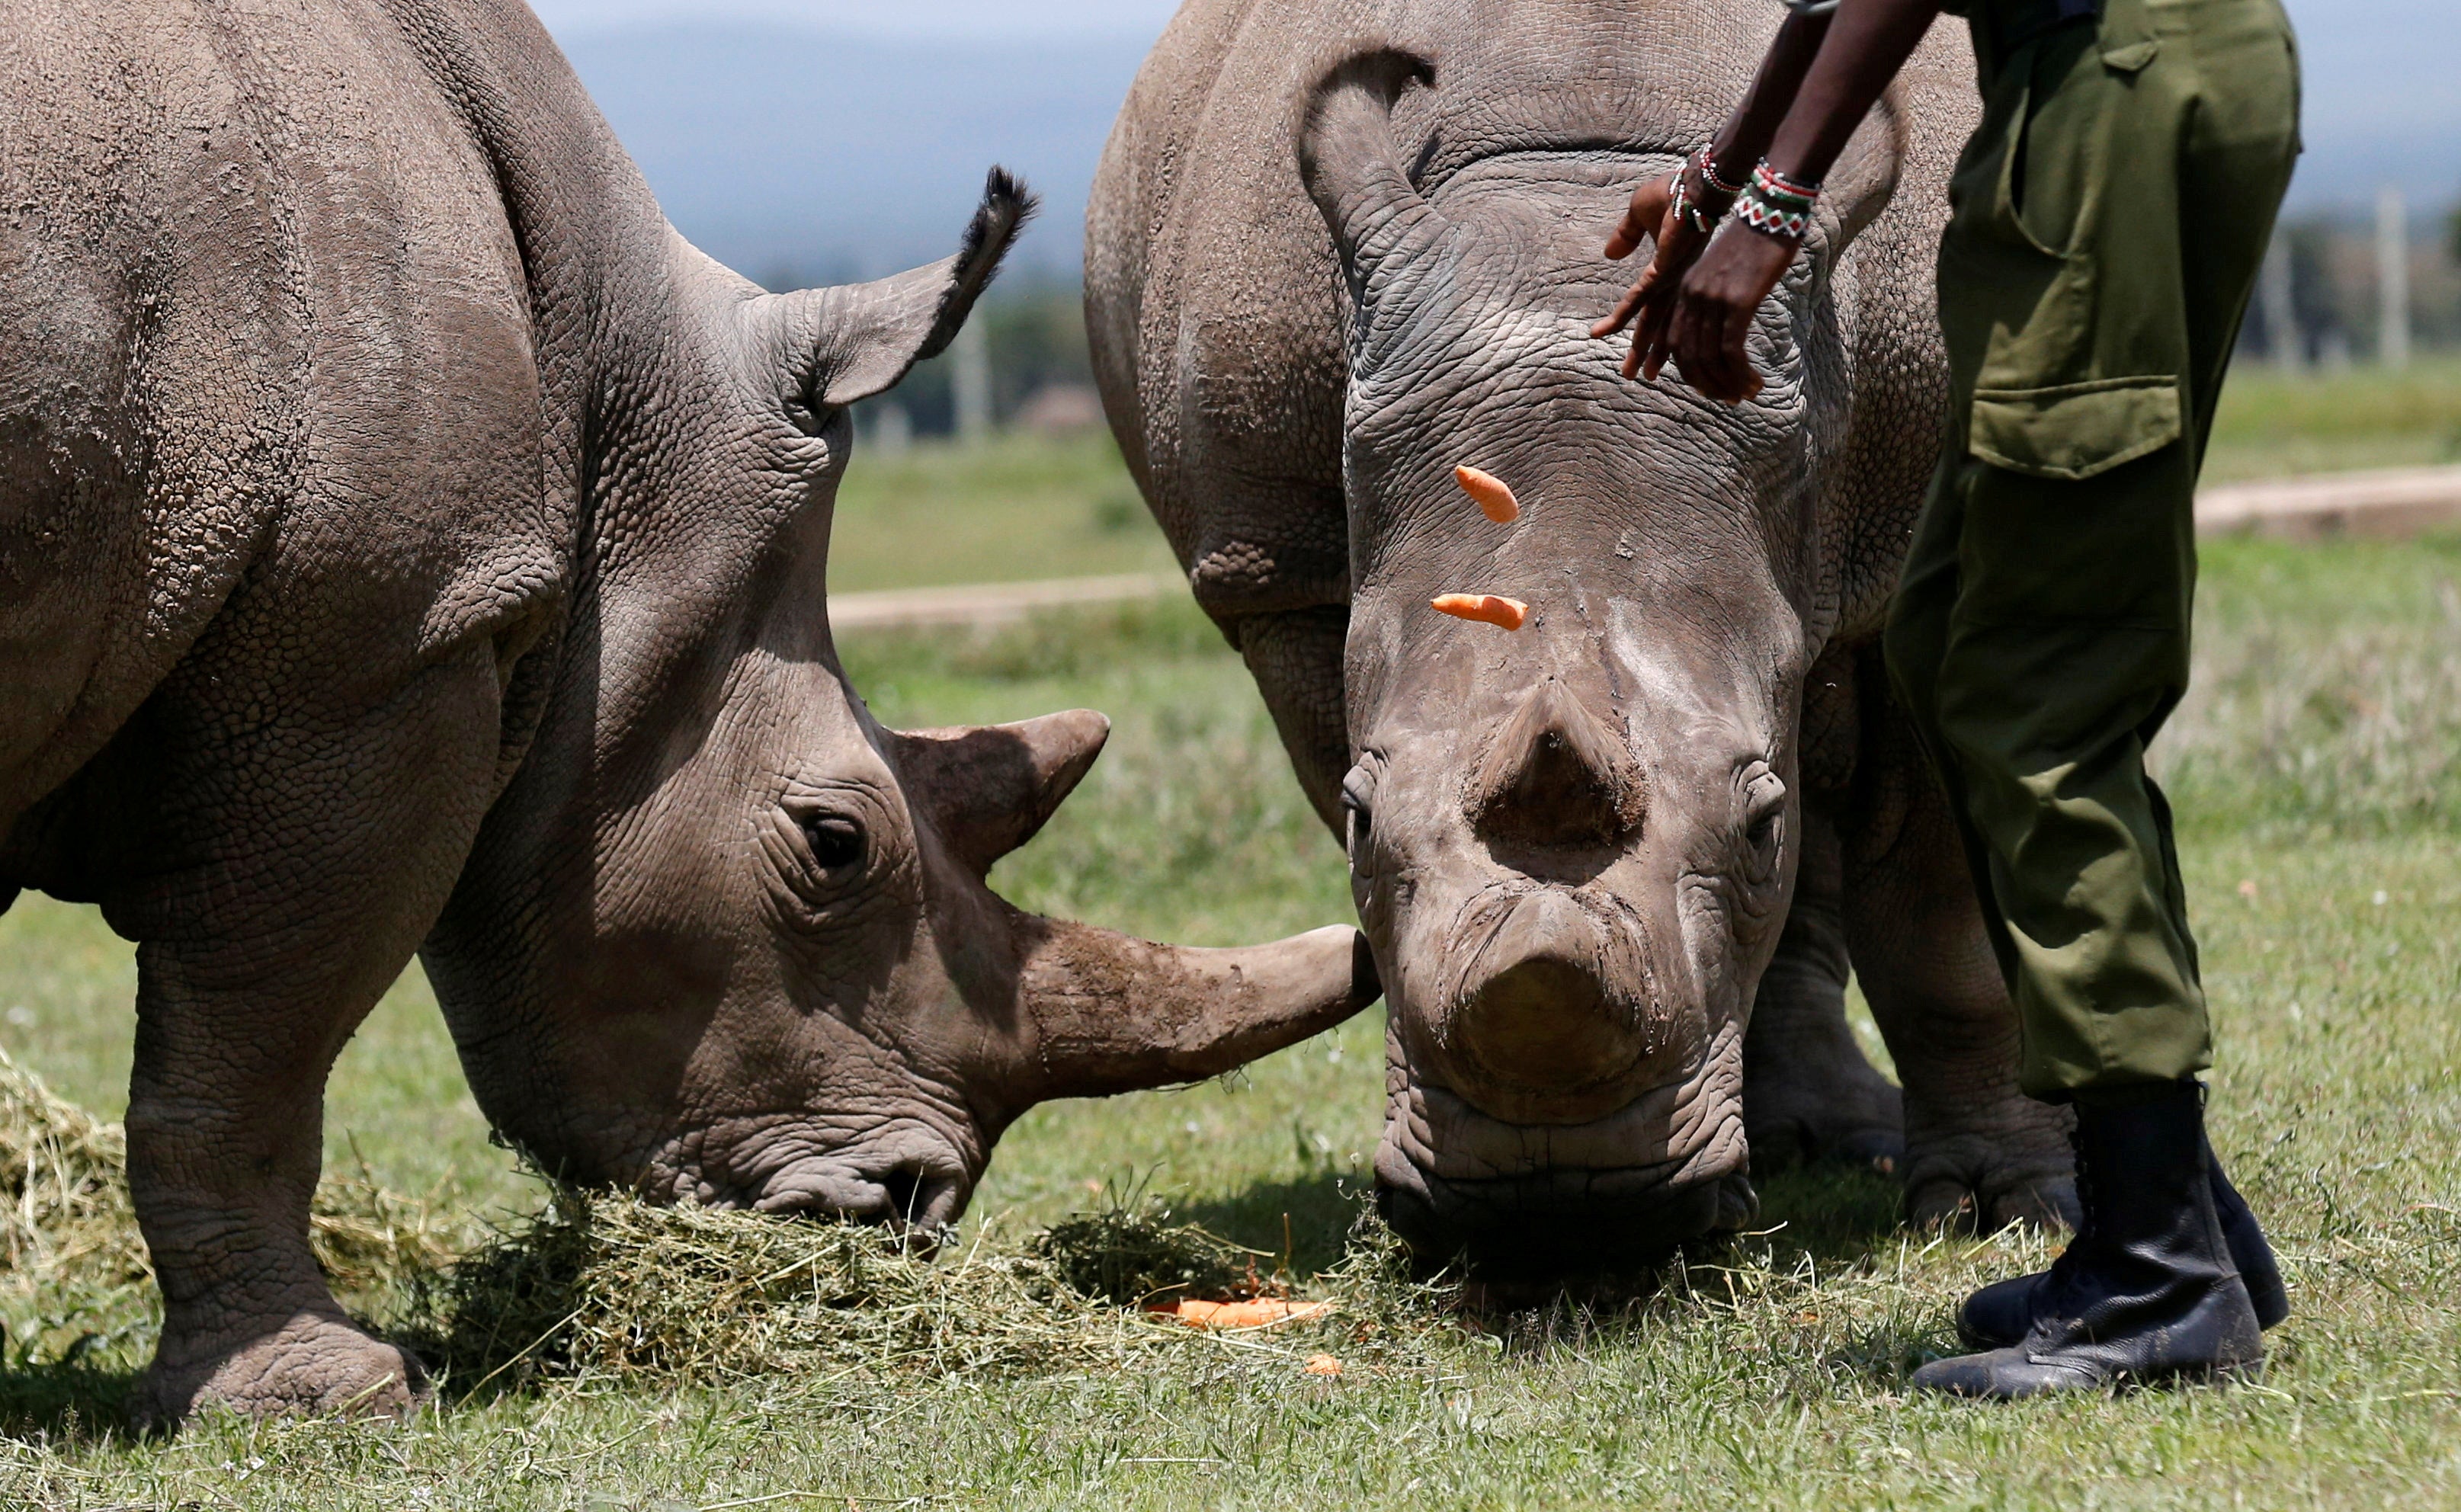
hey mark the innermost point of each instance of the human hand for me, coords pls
(1716, 305)
(1650, 301)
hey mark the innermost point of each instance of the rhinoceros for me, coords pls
(408, 541)
(1616, 866)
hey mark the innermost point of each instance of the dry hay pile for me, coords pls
(63, 1181)
(607, 1285)
(604, 1285)
(66, 1221)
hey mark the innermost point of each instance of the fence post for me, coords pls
(2282, 338)
(970, 381)
(2392, 277)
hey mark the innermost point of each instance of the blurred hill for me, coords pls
(797, 154)
(799, 157)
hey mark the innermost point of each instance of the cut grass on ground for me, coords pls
(2311, 769)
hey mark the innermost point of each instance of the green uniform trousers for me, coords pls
(2107, 221)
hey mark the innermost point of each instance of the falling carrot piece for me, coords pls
(1488, 609)
(1262, 1313)
(1494, 495)
(1322, 1365)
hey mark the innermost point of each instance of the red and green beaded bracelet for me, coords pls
(1775, 205)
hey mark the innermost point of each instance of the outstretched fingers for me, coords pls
(1649, 342)
(1643, 216)
(1647, 218)
(1648, 307)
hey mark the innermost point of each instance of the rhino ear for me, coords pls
(1864, 180)
(985, 789)
(855, 340)
(1352, 167)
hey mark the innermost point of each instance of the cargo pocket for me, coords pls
(2076, 430)
(2067, 338)
(2020, 282)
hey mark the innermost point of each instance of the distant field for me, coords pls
(2273, 424)
(2315, 773)
(1023, 506)
(1013, 509)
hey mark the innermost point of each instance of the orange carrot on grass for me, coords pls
(1487, 608)
(1260, 1313)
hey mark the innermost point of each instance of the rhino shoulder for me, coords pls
(1215, 310)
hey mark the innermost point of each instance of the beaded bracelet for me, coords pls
(1680, 205)
(1776, 207)
(1693, 212)
(1711, 175)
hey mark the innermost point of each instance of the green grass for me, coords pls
(2272, 423)
(1013, 508)
(2313, 771)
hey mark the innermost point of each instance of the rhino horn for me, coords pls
(1353, 170)
(986, 789)
(852, 341)
(1113, 1013)
(1557, 773)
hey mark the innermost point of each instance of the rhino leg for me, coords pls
(291, 900)
(1809, 1092)
(1295, 657)
(1977, 1151)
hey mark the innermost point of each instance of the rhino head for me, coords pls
(725, 938)
(1571, 844)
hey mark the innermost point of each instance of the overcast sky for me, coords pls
(2382, 105)
(2388, 63)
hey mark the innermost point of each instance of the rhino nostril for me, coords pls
(905, 1188)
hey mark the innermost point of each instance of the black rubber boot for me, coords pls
(2001, 1313)
(2146, 1291)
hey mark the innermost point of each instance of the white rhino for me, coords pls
(1616, 866)
(409, 541)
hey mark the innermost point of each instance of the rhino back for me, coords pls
(265, 374)
(1217, 310)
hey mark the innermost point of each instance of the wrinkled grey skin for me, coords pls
(406, 537)
(1614, 866)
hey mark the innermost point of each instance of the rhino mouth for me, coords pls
(907, 1195)
(1536, 1202)
(902, 1173)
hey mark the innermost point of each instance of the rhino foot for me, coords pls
(1810, 1095)
(311, 1364)
(1858, 1122)
(2018, 1169)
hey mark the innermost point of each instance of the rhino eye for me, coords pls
(837, 841)
(1764, 823)
(1358, 801)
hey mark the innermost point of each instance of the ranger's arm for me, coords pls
(1867, 42)
(1680, 213)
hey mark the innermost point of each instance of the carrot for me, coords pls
(1493, 495)
(1487, 608)
(1322, 1365)
(1263, 1312)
